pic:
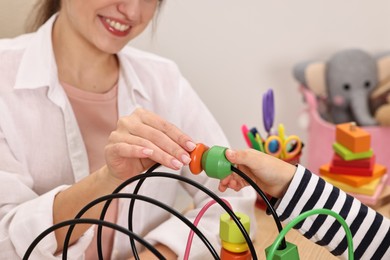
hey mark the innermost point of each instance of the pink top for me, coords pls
(97, 116)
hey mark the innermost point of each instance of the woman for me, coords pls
(68, 88)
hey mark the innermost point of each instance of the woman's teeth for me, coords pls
(117, 26)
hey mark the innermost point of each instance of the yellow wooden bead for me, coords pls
(235, 248)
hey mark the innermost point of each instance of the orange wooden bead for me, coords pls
(196, 158)
(226, 255)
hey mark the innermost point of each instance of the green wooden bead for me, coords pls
(215, 164)
(289, 253)
(229, 231)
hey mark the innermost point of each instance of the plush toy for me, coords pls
(380, 97)
(343, 85)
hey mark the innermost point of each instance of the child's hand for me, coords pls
(272, 175)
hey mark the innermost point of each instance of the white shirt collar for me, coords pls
(37, 67)
(38, 59)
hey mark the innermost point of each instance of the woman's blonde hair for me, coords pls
(41, 12)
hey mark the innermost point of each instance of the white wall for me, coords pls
(232, 51)
(13, 15)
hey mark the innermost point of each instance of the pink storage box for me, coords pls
(321, 136)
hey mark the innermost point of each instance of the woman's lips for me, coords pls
(115, 27)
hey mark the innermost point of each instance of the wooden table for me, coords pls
(267, 233)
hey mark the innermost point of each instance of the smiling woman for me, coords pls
(80, 112)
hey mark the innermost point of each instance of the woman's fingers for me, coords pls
(127, 160)
(160, 131)
(137, 147)
(145, 136)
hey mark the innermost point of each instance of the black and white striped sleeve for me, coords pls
(370, 230)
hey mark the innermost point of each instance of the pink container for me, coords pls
(321, 136)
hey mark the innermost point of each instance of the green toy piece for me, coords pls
(289, 253)
(215, 164)
(348, 155)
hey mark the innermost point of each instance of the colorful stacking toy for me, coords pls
(353, 167)
(234, 246)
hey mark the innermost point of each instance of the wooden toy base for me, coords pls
(378, 198)
(383, 201)
(366, 189)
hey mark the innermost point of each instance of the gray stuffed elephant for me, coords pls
(344, 83)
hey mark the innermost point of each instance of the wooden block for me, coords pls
(348, 155)
(359, 163)
(353, 137)
(350, 170)
(355, 181)
(366, 189)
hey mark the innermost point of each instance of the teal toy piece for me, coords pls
(215, 164)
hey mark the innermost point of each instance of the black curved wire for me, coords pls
(131, 209)
(264, 197)
(90, 221)
(200, 187)
(110, 197)
(150, 173)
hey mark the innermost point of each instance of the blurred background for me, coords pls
(232, 51)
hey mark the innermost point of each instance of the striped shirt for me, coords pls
(370, 230)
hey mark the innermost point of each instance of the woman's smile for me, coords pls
(116, 27)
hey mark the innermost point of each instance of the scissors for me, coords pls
(268, 110)
(253, 137)
(281, 146)
(277, 145)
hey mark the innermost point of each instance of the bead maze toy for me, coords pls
(353, 167)
(234, 226)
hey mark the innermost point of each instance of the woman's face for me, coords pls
(107, 24)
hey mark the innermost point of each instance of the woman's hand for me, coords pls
(272, 175)
(142, 139)
(139, 141)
